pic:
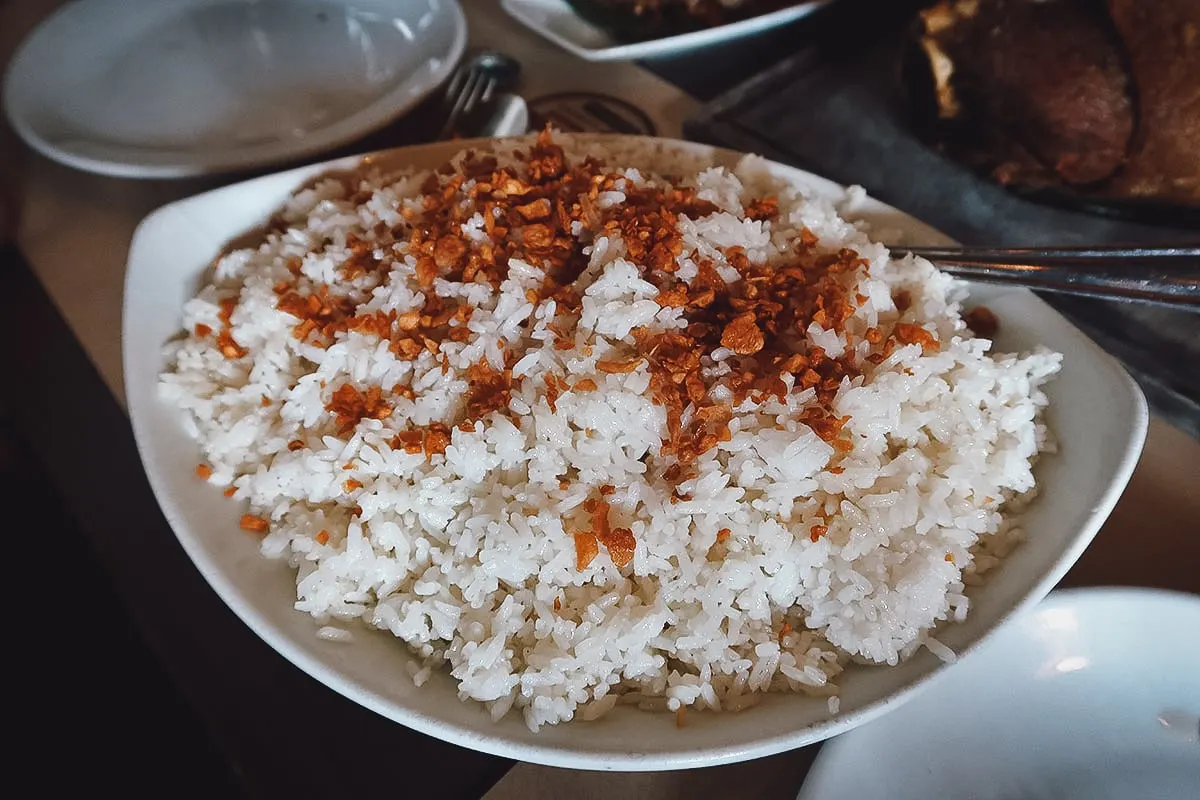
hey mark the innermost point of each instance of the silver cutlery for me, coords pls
(510, 117)
(474, 86)
(1167, 276)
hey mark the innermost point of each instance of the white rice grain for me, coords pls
(469, 557)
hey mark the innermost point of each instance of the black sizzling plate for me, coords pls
(915, 87)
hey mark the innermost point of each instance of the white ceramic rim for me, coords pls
(581, 758)
(667, 44)
(343, 131)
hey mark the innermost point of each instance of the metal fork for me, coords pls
(474, 85)
(1162, 275)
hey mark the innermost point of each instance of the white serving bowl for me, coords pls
(1097, 413)
(1093, 695)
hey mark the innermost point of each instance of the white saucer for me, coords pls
(152, 89)
(1094, 694)
(557, 22)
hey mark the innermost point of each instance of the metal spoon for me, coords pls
(1167, 276)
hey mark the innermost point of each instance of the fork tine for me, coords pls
(474, 98)
(454, 87)
(478, 90)
(489, 89)
(468, 87)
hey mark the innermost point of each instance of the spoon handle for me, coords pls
(1167, 276)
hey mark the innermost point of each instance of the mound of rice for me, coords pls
(607, 427)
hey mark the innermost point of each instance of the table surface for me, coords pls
(63, 273)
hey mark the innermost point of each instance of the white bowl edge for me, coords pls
(477, 731)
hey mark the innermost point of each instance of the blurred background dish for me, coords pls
(1095, 694)
(1095, 103)
(617, 30)
(192, 87)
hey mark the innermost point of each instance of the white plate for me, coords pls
(558, 22)
(1098, 415)
(152, 89)
(1069, 701)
